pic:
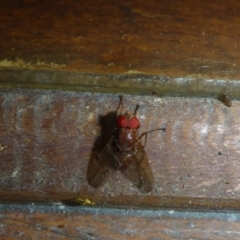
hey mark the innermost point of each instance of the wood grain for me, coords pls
(48, 137)
(157, 38)
(163, 48)
(79, 223)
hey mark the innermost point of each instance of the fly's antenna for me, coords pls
(120, 105)
(135, 111)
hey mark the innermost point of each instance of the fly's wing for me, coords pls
(138, 169)
(99, 166)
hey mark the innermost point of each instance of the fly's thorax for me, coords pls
(127, 138)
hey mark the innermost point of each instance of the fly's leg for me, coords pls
(135, 111)
(146, 133)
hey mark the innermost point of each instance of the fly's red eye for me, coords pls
(122, 121)
(134, 123)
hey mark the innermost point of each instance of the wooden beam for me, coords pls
(155, 38)
(58, 221)
(47, 138)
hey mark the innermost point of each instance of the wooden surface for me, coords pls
(159, 38)
(48, 137)
(151, 48)
(61, 222)
(187, 48)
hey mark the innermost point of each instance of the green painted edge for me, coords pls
(122, 83)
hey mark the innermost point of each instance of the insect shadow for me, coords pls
(107, 125)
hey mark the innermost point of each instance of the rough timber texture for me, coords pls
(140, 47)
(61, 222)
(158, 48)
(47, 139)
(153, 37)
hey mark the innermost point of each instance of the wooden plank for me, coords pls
(138, 47)
(153, 37)
(31, 221)
(47, 138)
(138, 84)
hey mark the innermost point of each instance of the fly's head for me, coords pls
(128, 120)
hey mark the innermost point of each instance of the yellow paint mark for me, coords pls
(20, 63)
(1, 148)
(84, 201)
(134, 72)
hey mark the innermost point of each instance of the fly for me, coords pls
(225, 99)
(124, 152)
